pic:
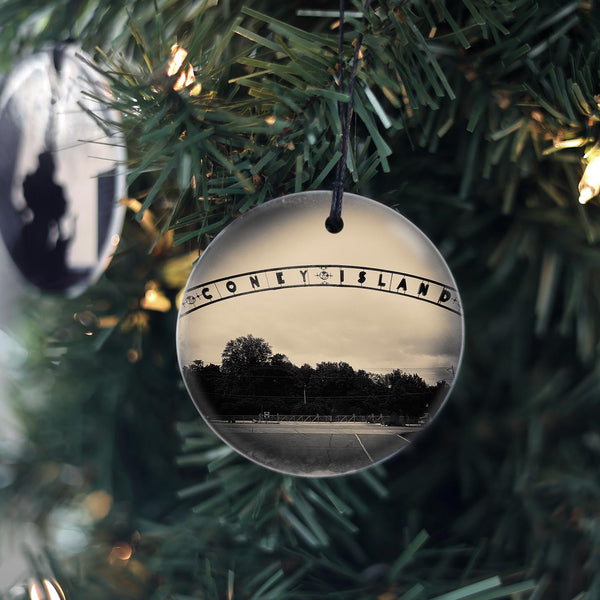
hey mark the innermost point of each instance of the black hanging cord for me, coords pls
(334, 222)
(73, 9)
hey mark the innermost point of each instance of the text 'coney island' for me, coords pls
(328, 276)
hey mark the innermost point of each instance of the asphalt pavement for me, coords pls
(315, 449)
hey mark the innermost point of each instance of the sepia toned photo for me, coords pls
(315, 353)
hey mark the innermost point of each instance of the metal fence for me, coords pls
(268, 417)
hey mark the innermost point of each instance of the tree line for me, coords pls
(252, 380)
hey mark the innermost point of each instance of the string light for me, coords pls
(121, 552)
(98, 504)
(154, 299)
(133, 355)
(186, 76)
(34, 592)
(589, 186)
(51, 591)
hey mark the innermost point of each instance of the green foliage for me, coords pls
(471, 118)
(266, 122)
(26, 26)
(308, 529)
(100, 369)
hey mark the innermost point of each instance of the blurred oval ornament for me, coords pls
(314, 353)
(62, 170)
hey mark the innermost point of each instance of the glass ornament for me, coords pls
(62, 171)
(314, 353)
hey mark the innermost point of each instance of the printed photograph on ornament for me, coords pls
(330, 416)
(319, 367)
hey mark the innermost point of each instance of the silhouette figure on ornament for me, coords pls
(41, 250)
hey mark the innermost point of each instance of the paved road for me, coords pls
(315, 448)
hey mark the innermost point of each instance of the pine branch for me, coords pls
(499, 100)
(265, 500)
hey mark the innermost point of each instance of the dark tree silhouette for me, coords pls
(243, 353)
(253, 380)
(409, 394)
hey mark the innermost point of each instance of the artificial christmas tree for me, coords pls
(475, 120)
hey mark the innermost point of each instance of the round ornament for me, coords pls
(313, 353)
(61, 171)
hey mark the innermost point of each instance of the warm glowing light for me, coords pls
(154, 299)
(53, 590)
(107, 322)
(178, 55)
(186, 76)
(132, 204)
(98, 504)
(121, 552)
(589, 186)
(34, 592)
(271, 120)
(133, 355)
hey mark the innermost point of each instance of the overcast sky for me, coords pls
(368, 329)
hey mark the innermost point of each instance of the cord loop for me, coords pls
(334, 222)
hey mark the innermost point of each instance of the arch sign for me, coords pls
(339, 276)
